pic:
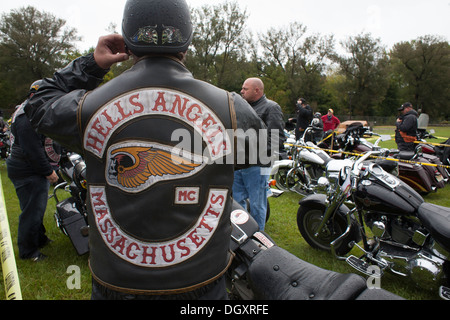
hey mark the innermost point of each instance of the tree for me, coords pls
(33, 45)
(424, 66)
(300, 58)
(219, 42)
(366, 69)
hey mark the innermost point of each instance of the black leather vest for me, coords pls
(160, 177)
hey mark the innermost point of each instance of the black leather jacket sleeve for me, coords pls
(53, 110)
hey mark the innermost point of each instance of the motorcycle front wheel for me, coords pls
(309, 217)
(282, 181)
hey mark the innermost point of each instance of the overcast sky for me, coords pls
(390, 20)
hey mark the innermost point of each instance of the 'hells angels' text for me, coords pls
(156, 102)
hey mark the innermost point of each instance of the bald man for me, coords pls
(252, 183)
(268, 110)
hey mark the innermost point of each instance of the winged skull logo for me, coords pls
(146, 34)
(136, 168)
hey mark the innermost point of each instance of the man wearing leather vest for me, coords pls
(159, 214)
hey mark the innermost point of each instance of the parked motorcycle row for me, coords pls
(260, 269)
(351, 197)
(356, 194)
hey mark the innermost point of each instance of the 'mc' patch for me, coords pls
(187, 195)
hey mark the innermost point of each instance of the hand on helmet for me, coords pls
(110, 50)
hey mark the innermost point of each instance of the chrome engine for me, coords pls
(411, 252)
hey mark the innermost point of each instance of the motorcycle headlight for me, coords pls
(323, 184)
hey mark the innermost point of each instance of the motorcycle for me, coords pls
(260, 269)
(263, 271)
(71, 212)
(410, 238)
(5, 145)
(440, 150)
(302, 171)
(423, 172)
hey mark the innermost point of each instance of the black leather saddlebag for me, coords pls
(73, 224)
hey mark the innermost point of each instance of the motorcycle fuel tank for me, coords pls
(384, 193)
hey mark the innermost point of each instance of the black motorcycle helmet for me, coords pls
(34, 87)
(157, 26)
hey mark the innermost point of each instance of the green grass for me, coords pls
(47, 280)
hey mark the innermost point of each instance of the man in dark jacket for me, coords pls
(159, 216)
(31, 171)
(406, 128)
(269, 111)
(304, 117)
(252, 183)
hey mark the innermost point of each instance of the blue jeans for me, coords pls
(252, 185)
(32, 192)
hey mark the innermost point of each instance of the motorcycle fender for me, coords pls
(314, 198)
(281, 164)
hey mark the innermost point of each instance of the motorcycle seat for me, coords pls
(276, 274)
(437, 220)
(405, 155)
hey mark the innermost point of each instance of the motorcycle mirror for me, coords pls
(343, 175)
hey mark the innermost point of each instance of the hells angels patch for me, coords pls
(134, 166)
(157, 102)
(157, 254)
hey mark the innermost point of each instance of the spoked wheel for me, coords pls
(281, 179)
(309, 217)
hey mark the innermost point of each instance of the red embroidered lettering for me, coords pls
(130, 249)
(196, 240)
(184, 248)
(136, 103)
(208, 121)
(97, 199)
(112, 122)
(195, 115)
(146, 255)
(160, 102)
(205, 225)
(221, 147)
(110, 236)
(119, 245)
(211, 211)
(104, 226)
(172, 253)
(94, 141)
(215, 199)
(101, 214)
(177, 105)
